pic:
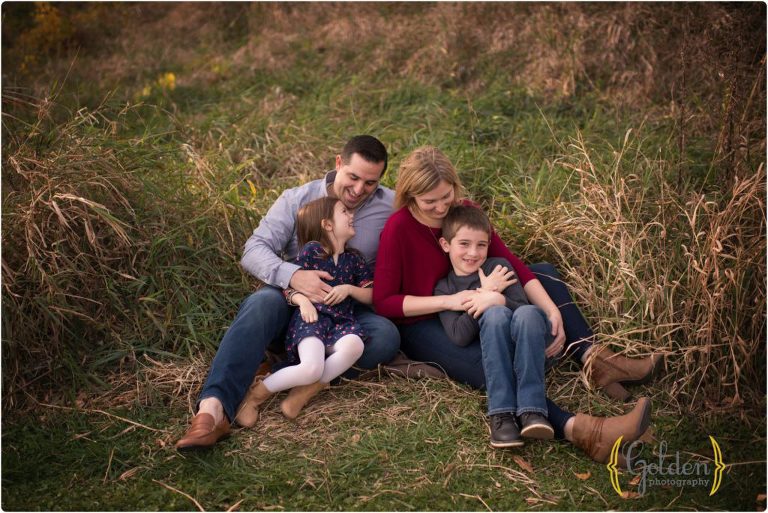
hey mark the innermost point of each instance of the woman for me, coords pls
(409, 263)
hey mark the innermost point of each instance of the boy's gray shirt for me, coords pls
(461, 327)
(274, 243)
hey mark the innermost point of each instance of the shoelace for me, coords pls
(499, 419)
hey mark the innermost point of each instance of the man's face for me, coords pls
(467, 250)
(356, 180)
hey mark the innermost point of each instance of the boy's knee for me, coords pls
(496, 315)
(529, 315)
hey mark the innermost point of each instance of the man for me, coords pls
(264, 315)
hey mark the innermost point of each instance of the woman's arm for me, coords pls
(539, 297)
(423, 305)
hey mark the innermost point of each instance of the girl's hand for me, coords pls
(456, 301)
(556, 347)
(308, 312)
(482, 301)
(499, 279)
(337, 294)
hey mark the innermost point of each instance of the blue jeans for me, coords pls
(578, 335)
(427, 341)
(263, 319)
(513, 345)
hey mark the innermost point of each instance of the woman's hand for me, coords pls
(337, 294)
(456, 301)
(556, 320)
(308, 311)
(498, 280)
(482, 301)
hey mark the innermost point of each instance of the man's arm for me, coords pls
(262, 256)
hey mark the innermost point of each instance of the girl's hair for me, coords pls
(309, 223)
(422, 171)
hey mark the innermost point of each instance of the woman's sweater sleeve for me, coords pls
(499, 249)
(387, 277)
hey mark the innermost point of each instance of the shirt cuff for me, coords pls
(284, 274)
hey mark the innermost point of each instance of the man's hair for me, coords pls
(309, 223)
(460, 216)
(368, 147)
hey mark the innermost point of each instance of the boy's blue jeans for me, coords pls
(513, 346)
(262, 319)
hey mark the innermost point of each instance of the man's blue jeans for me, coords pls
(263, 319)
(513, 344)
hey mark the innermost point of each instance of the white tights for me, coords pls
(314, 366)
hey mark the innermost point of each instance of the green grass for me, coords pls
(592, 180)
(383, 445)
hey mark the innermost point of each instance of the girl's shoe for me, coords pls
(298, 397)
(248, 411)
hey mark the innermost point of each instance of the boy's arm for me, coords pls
(460, 327)
(514, 295)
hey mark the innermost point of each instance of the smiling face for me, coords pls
(468, 250)
(340, 227)
(432, 206)
(356, 180)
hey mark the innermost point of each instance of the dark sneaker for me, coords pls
(504, 431)
(535, 425)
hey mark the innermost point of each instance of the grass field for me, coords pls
(142, 143)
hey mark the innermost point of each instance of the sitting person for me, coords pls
(324, 228)
(512, 356)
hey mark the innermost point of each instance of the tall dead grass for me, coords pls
(658, 269)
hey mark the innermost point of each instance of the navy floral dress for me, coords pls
(333, 322)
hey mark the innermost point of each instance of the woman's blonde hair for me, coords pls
(309, 223)
(422, 171)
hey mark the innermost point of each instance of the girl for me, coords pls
(324, 226)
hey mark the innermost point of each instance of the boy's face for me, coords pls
(467, 250)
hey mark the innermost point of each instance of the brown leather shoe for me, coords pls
(203, 432)
(597, 435)
(609, 371)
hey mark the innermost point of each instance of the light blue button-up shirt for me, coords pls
(275, 241)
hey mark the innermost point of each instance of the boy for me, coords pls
(514, 387)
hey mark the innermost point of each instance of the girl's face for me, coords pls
(433, 205)
(341, 226)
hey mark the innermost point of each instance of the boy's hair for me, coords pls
(309, 223)
(368, 147)
(465, 215)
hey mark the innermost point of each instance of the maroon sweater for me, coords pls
(410, 262)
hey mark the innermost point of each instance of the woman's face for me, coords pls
(433, 205)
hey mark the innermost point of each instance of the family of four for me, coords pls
(355, 272)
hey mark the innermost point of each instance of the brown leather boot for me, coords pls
(248, 411)
(608, 371)
(300, 396)
(597, 435)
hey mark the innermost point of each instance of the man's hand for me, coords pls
(482, 301)
(311, 284)
(556, 347)
(337, 294)
(499, 279)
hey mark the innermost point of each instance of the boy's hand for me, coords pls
(308, 312)
(482, 301)
(498, 280)
(337, 294)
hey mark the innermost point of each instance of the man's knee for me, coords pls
(264, 300)
(382, 344)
